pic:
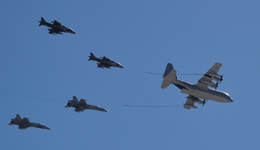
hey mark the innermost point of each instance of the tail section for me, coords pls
(169, 76)
(75, 100)
(42, 22)
(91, 57)
(18, 117)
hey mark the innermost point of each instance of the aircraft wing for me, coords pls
(82, 102)
(54, 30)
(56, 23)
(102, 64)
(94, 107)
(189, 103)
(105, 59)
(25, 120)
(38, 125)
(206, 77)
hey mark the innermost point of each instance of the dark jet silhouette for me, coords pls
(104, 62)
(82, 105)
(56, 27)
(25, 123)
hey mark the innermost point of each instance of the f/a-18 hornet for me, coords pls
(199, 90)
(56, 27)
(104, 62)
(82, 105)
(25, 123)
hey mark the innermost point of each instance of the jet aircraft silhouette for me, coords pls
(25, 123)
(56, 27)
(82, 105)
(104, 62)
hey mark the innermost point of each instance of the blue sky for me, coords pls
(40, 72)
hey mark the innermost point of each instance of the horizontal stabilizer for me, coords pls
(169, 76)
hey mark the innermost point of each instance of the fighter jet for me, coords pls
(82, 105)
(104, 62)
(56, 27)
(199, 90)
(25, 123)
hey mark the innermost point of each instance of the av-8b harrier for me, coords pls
(25, 123)
(56, 27)
(199, 90)
(104, 62)
(82, 105)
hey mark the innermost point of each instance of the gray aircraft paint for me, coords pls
(194, 90)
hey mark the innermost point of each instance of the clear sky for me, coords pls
(40, 72)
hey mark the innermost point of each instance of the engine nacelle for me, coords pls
(214, 75)
(199, 101)
(188, 106)
(195, 99)
(211, 84)
(217, 79)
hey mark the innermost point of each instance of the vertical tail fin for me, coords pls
(18, 117)
(75, 100)
(91, 57)
(169, 76)
(42, 21)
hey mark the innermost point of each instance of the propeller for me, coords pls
(203, 102)
(221, 78)
(216, 86)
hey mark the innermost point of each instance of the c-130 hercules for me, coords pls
(25, 123)
(82, 105)
(199, 90)
(56, 27)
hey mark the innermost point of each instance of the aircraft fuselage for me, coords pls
(206, 94)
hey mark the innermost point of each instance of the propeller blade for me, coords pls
(221, 78)
(216, 86)
(203, 102)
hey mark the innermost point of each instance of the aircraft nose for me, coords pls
(71, 31)
(119, 65)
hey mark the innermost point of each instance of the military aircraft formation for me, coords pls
(79, 106)
(196, 91)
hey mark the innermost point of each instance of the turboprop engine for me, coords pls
(194, 99)
(211, 84)
(216, 77)
(188, 106)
